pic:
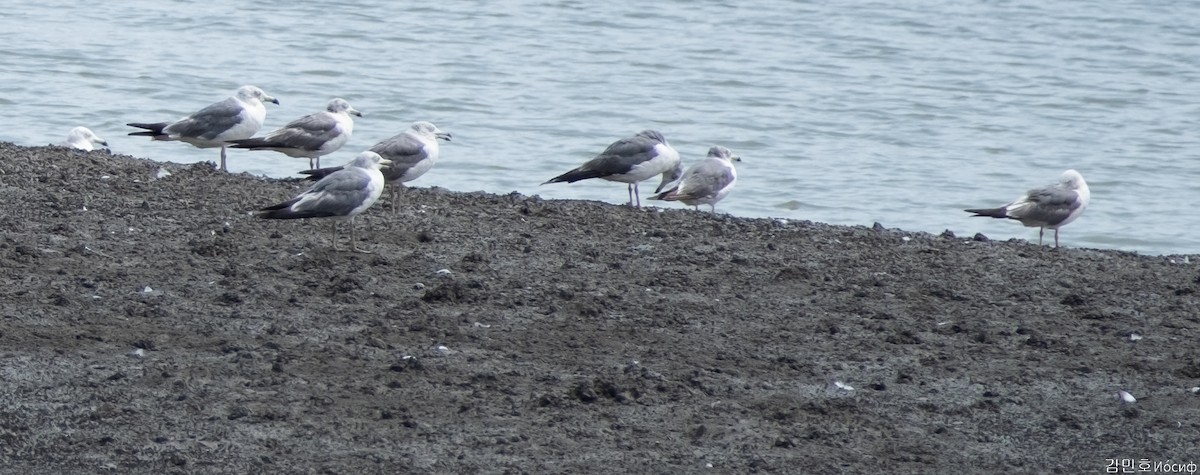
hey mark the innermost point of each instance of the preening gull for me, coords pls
(630, 160)
(341, 195)
(83, 138)
(1052, 206)
(706, 182)
(412, 153)
(238, 117)
(311, 136)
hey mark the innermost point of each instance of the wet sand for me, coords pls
(151, 325)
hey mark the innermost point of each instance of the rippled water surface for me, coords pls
(844, 112)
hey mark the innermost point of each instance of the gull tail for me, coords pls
(670, 194)
(574, 176)
(319, 173)
(1001, 212)
(152, 129)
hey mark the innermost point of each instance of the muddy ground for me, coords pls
(150, 325)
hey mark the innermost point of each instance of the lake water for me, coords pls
(846, 112)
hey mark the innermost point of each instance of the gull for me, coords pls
(1048, 207)
(630, 160)
(412, 153)
(238, 117)
(83, 138)
(706, 182)
(312, 136)
(341, 195)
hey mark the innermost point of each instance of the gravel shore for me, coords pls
(149, 324)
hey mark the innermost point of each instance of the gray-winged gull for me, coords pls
(630, 160)
(706, 181)
(341, 195)
(1052, 206)
(83, 138)
(412, 153)
(312, 136)
(238, 117)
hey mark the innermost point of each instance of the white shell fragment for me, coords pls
(137, 353)
(843, 386)
(443, 271)
(1134, 337)
(1125, 397)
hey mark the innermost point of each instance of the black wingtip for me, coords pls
(988, 213)
(152, 130)
(318, 173)
(252, 143)
(283, 211)
(574, 176)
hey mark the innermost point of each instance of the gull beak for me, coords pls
(103, 142)
(270, 99)
(443, 135)
(736, 158)
(385, 163)
(355, 112)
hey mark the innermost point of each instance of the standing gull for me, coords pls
(341, 195)
(238, 117)
(311, 136)
(630, 160)
(1052, 206)
(412, 153)
(706, 182)
(83, 138)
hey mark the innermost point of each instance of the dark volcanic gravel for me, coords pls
(150, 325)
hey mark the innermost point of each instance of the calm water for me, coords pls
(844, 112)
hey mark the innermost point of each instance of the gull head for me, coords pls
(338, 105)
(670, 179)
(428, 130)
(83, 138)
(370, 161)
(653, 135)
(247, 92)
(1071, 179)
(723, 153)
